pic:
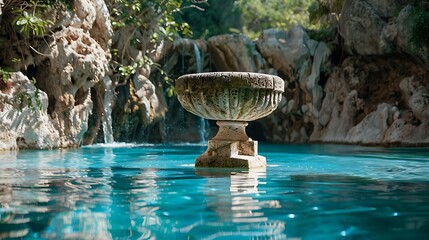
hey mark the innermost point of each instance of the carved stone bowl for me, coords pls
(230, 96)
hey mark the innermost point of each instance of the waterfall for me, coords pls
(203, 129)
(198, 59)
(107, 114)
(199, 68)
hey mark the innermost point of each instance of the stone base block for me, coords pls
(231, 154)
(247, 162)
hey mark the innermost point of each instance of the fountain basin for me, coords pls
(230, 96)
(233, 99)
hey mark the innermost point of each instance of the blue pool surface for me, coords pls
(131, 191)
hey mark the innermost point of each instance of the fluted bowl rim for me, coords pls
(195, 81)
(198, 89)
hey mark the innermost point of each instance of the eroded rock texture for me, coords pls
(367, 96)
(234, 52)
(300, 61)
(66, 66)
(238, 96)
(378, 27)
(24, 121)
(73, 63)
(376, 95)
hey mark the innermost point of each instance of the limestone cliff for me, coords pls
(368, 85)
(65, 66)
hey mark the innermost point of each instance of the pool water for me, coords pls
(125, 191)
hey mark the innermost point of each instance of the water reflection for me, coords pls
(40, 197)
(84, 202)
(240, 204)
(131, 193)
(143, 204)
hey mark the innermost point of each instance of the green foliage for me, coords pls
(129, 70)
(31, 24)
(211, 18)
(27, 17)
(25, 99)
(257, 15)
(420, 28)
(134, 13)
(153, 18)
(325, 11)
(5, 73)
(317, 11)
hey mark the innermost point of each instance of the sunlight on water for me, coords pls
(118, 145)
(144, 191)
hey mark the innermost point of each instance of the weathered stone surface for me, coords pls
(67, 66)
(71, 64)
(92, 16)
(85, 11)
(232, 131)
(245, 162)
(231, 154)
(363, 29)
(363, 103)
(234, 52)
(310, 84)
(102, 30)
(370, 27)
(300, 61)
(146, 92)
(22, 123)
(373, 127)
(230, 96)
(285, 51)
(414, 127)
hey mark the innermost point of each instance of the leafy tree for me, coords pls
(5, 73)
(143, 25)
(325, 12)
(213, 18)
(257, 15)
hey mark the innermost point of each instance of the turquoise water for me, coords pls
(123, 191)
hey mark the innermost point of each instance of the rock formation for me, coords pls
(366, 95)
(66, 66)
(24, 120)
(377, 95)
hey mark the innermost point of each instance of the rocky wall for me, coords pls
(23, 113)
(377, 95)
(65, 66)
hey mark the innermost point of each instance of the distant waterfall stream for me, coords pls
(107, 114)
(203, 124)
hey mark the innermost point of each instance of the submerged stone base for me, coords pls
(231, 154)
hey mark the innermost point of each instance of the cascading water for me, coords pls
(199, 69)
(107, 114)
(198, 59)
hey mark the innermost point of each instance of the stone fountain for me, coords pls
(233, 99)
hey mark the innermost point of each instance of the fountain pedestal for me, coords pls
(231, 148)
(233, 99)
